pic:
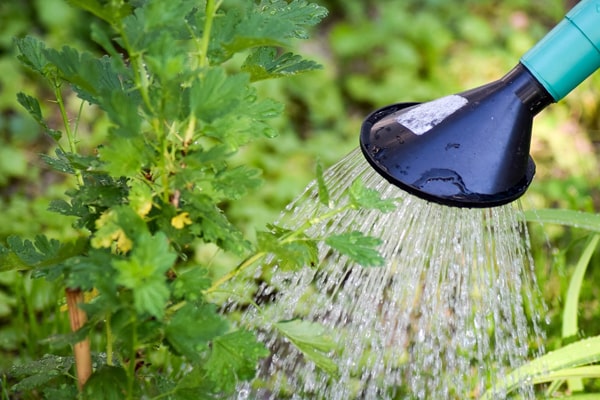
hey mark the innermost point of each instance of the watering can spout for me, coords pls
(471, 149)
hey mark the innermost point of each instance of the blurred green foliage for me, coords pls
(374, 53)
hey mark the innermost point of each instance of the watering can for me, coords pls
(471, 149)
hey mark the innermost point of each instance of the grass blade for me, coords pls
(572, 218)
(570, 325)
(548, 367)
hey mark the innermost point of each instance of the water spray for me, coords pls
(471, 149)
(455, 304)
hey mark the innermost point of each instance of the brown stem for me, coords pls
(77, 317)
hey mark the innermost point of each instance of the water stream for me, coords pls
(452, 309)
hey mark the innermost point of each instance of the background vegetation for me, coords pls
(373, 53)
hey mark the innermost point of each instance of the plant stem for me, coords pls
(65, 118)
(233, 273)
(109, 341)
(290, 237)
(211, 9)
(132, 359)
(77, 317)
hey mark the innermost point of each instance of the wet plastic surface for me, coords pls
(465, 150)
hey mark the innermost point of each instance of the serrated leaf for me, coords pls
(35, 374)
(144, 273)
(192, 327)
(268, 23)
(63, 207)
(91, 77)
(236, 182)
(124, 156)
(363, 197)
(358, 247)
(99, 35)
(89, 270)
(190, 284)
(313, 340)
(32, 53)
(194, 386)
(296, 15)
(61, 163)
(289, 255)
(211, 224)
(216, 94)
(32, 106)
(234, 358)
(106, 383)
(246, 123)
(110, 12)
(266, 63)
(49, 362)
(40, 253)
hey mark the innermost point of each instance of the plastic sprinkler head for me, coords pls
(471, 149)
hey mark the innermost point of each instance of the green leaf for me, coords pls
(33, 108)
(144, 273)
(88, 271)
(358, 247)
(292, 254)
(265, 63)
(234, 357)
(363, 197)
(31, 54)
(194, 385)
(61, 163)
(100, 36)
(122, 107)
(236, 182)
(192, 327)
(216, 94)
(189, 284)
(212, 226)
(313, 340)
(570, 312)
(124, 156)
(268, 23)
(292, 17)
(569, 321)
(41, 253)
(323, 191)
(110, 12)
(106, 383)
(93, 78)
(545, 368)
(572, 218)
(35, 374)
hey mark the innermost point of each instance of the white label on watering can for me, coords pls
(427, 115)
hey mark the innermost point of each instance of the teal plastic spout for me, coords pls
(569, 53)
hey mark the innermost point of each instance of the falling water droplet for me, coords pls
(443, 317)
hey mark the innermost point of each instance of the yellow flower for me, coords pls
(181, 220)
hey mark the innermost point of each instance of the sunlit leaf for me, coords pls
(363, 197)
(358, 247)
(234, 358)
(313, 340)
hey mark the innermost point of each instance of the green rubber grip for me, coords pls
(569, 53)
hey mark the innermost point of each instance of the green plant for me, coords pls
(579, 359)
(176, 84)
